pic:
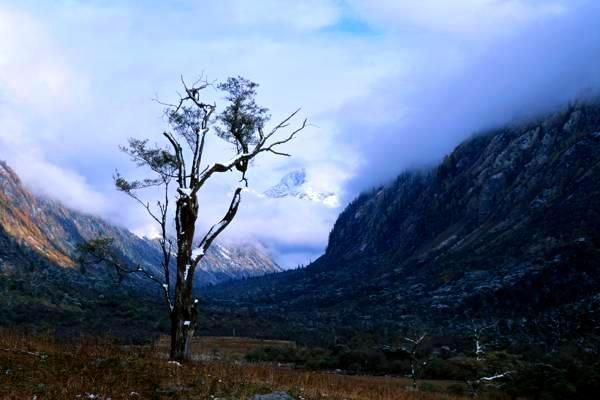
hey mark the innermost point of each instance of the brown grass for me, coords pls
(210, 347)
(42, 368)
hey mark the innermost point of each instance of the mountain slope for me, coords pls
(506, 227)
(46, 230)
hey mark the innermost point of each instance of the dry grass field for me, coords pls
(41, 368)
(224, 347)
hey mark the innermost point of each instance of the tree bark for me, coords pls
(184, 315)
(182, 333)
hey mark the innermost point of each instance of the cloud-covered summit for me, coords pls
(295, 184)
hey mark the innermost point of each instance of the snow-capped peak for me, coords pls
(295, 184)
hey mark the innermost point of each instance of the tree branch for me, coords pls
(216, 229)
(181, 170)
(100, 250)
(261, 146)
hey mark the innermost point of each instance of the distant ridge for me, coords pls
(52, 231)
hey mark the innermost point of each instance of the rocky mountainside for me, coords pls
(36, 231)
(507, 227)
(231, 261)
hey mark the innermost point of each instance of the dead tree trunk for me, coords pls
(184, 314)
(415, 363)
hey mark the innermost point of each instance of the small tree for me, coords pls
(180, 171)
(413, 348)
(482, 368)
(477, 335)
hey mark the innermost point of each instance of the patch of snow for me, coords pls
(237, 158)
(198, 252)
(224, 252)
(184, 191)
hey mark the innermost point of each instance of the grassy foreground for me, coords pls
(42, 368)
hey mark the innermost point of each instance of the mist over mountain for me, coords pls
(505, 229)
(458, 82)
(34, 228)
(400, 92)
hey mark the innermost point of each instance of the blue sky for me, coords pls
(386, 85)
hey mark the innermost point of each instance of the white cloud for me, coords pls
(414, 118)
(35, 85)
(463, 17)
(55, 182)
(307, 15)
(299, 226)
(32, 72)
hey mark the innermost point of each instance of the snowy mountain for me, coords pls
(296, 185)
(36, 232)
(230, 261)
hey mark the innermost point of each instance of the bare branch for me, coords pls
(282, 124)
(216, 229)
(278, 153)
(100, 250)
(181, 171)
(128, 188)
(260, 147)
(416, 341)
(289, 138)
(496, 377)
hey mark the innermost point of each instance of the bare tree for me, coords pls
(413, 348)
(482, 379)
(477, 333)
(496, 380)
(180, 171)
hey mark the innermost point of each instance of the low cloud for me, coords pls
(412, 120)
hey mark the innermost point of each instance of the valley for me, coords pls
(496, 248)
(299, 200)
